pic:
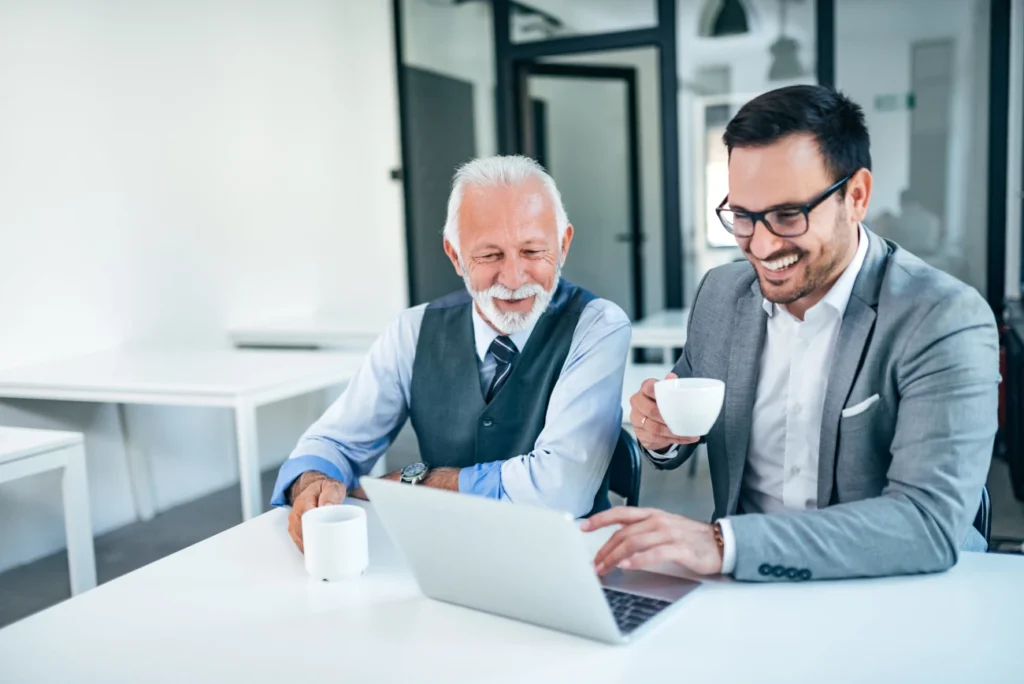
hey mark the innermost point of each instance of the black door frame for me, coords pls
(635, 236)
(998, 155)
(508, 58)
(404, 145)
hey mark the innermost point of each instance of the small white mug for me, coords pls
(690, 406)
(335, 542)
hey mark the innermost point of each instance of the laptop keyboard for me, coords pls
(632, 610)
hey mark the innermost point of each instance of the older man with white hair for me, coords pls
(513, 386)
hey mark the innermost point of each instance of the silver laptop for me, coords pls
(522, 562)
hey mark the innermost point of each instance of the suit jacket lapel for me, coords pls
(747, 343)
(854, 335)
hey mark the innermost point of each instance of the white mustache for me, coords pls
(503, 293)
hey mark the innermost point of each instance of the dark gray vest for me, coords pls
(453, 425)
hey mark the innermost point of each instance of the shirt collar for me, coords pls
(839, 295)
(484, 334)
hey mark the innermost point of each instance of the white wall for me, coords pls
(873, 58)
(168, 169)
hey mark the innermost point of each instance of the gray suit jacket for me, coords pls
(899, 484)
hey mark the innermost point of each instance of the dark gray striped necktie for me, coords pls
(505, 352)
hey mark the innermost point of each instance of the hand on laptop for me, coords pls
(648, 425)
(311, 490)
(649, 537)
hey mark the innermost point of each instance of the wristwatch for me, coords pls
(414, 473)
(719, 539)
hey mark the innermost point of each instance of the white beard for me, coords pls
(511, 323)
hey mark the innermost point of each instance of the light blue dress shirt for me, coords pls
(571, 454)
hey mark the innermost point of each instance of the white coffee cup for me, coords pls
(690, 406)
(335, 543)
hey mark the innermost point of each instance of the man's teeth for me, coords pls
(782, 263)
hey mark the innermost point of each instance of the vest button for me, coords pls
(488, 422)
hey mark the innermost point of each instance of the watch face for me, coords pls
(414, 471)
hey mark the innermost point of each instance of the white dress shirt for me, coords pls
(569, 458)
(781, 472)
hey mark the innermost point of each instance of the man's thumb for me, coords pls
(671, 376)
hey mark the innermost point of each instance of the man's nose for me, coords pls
(764, 243)
(513, 273)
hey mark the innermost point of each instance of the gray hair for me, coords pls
(508, 171)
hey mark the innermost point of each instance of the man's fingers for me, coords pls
(652, 425)
(647, 388)
(305, 501)
(621, 535)
(331, 495)
(295, 532)
(620, 515)
(295, 525)
(628, 547)
(653, 556)
(653, 432)
(645, 406)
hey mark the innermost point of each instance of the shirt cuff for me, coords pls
(483, 479)
(729, 550)
(293, 468)
(655, 457)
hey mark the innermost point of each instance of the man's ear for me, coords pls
(566, 241)
(858, 194)
(453, 256)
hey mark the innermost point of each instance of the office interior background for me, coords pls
(170, 171)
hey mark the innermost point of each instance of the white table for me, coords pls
(311, 331)
(238, 380)
(238, 607)
(665, 330)
(30, 452)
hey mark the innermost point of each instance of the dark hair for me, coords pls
(835, 121)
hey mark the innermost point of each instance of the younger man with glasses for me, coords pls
(861, 384)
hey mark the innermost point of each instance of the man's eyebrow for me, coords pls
(774, 207)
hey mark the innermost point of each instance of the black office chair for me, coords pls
(624, 470)
(983, 521)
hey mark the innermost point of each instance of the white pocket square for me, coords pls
(860, 408)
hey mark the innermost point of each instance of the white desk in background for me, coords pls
(312, 331)
(635, 375)
(237, 380)
(665, 330)
(239, 607)
(30, 452)
(662, 330)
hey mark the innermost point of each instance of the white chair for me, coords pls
(26, 452)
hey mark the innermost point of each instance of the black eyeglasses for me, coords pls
(787, 221)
